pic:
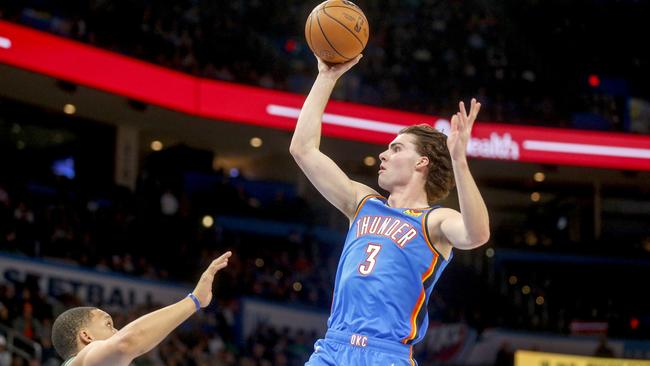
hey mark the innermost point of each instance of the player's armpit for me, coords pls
(449, 226)
(331, 181)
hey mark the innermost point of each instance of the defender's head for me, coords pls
(74, 329)
(418, 152)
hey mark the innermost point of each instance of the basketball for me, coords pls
(337, 31)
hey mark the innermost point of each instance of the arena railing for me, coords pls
(21, 345)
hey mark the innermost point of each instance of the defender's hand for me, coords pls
(203, 290)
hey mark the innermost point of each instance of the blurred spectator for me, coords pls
(4, 197)
(27, 325)
(505, 355)
(5, 356)
(168, 203)
(603, 349)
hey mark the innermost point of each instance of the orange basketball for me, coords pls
(337, 31)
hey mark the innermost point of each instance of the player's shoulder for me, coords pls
(79, 359)
(82, 357)
(433, 226)
(362, 194)
(362, 191)
(437, 215)
(441, 212)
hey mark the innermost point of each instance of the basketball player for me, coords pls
(85, 336)
(396, 247)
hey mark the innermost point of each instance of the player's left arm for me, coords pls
(471, 227)
(146, 332)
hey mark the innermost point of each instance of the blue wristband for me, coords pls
(196, 301)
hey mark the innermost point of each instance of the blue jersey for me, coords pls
(387, 270)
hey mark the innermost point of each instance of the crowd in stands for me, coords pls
(207, 339)
(423, 56)
(527, 61)
(109, 234)
(116, 232)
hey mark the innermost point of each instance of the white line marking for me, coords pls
(5, 43)
(378, 126)
(587, 149)
(337, 119)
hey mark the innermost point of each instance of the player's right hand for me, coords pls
(334, 71)
(203, 290)
(461, 129)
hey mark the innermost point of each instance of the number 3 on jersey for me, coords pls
(366, 267)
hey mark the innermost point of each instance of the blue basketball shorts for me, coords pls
(348, 349)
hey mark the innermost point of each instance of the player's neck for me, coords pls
(408, 197)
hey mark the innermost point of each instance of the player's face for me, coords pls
(101, 326)
(398, 163)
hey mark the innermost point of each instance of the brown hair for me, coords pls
(66, 328)
(433, 144)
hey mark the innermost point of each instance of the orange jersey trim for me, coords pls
(425, 230)
(420, 301)
(363, 202)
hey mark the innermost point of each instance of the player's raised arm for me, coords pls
(470, 228)
(146, 332)
(327, 177)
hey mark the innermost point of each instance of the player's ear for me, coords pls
(422, 162)
(85, 336)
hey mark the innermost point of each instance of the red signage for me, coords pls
(43, 53)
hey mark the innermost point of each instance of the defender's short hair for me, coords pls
(66, 329)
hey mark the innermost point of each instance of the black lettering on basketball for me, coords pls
(359, 25)
(326, 54)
